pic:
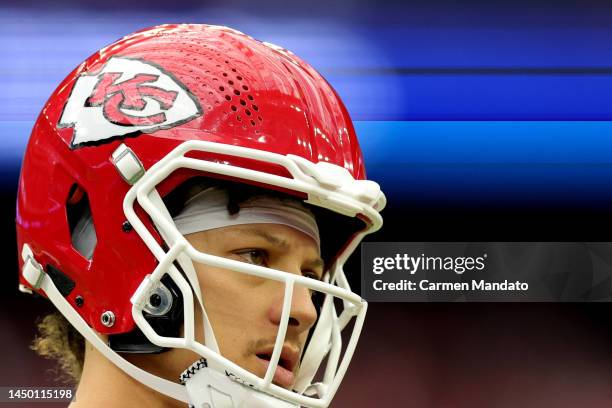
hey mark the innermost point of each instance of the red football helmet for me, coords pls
(141, 117)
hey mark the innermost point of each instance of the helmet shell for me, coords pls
(243, 92)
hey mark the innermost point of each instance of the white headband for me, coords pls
(208, 210)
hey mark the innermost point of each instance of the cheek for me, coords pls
(227, 292)
(237, 308)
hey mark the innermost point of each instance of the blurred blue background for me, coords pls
(481, 120)
(523, 88)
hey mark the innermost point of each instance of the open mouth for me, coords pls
(283, 376)
(284, 363)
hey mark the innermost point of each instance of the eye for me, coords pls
(311, 275)
(254, 256)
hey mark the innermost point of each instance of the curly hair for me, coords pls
(58, 340)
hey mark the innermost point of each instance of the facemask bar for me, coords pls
(329, 328)
(320, 340)
(338, 193)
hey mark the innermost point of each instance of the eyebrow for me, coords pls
(281, 243)
(316, 263)
(276, 241)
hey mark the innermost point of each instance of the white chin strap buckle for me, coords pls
(208, 388)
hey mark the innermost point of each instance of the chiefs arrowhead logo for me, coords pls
(126, 97)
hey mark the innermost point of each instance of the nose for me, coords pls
(303, 313)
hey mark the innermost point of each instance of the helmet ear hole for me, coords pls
(80, 222)
(160, 301)
(164, 313)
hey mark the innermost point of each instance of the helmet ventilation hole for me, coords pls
(80, 222)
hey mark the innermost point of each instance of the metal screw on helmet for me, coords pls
(108, 318)
(126, 226)
(79, 301)
(159, 302)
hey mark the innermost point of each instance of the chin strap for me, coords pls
(208, 388)
(38, 279)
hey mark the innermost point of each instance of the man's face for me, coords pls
(245, 311)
